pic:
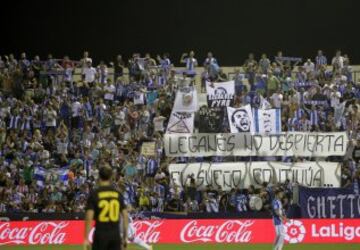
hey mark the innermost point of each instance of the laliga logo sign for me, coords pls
(294, 231)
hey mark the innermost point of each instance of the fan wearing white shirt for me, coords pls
(335, 97)
(50, 117)
(159, 122)
(309, 66)
(109, 90)
(89, 74)
(338, 61)
(85, 59)
(102, 72)
(120, 116)
(277, 99)
(76, 107)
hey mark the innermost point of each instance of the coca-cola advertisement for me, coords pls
(188, 231)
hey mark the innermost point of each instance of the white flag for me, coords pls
(267, 121)
(220, 94)
(181, 122)
(186, 100)
(241, 119)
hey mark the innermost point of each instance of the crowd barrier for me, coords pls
(198, 231)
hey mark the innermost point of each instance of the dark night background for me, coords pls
(229, 28)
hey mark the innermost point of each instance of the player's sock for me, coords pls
(276, 242)
(141, 243)
(280, 242)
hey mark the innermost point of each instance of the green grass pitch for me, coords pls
(204, 247)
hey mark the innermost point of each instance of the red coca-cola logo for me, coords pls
(230, 231)
(42, 233)
(148, 231)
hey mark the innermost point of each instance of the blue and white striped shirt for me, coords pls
(88, 110)
(320, 60)
(276, 205)
(314, 118)
(159, 190)
(299, 113)
(241, 202)
(292, 124)
(151, 167)
(190, 63)
(14, 122)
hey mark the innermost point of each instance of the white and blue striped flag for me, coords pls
(53, 175)
(267, 121)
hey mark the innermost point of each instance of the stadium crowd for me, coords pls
(52, 118)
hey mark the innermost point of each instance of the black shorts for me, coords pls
(102, 243)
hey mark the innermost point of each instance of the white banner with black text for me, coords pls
(247, 144)
(220, 94)
(181, 122)
(228, 175)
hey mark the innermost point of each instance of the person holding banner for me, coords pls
(278, 218)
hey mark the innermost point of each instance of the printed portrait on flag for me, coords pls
(267, 121)
(240, 119)
(211, 120)
(220, 94)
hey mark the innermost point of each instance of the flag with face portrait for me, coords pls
(220, 94)
(181, 122)
(241, 119)
(267, 121)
